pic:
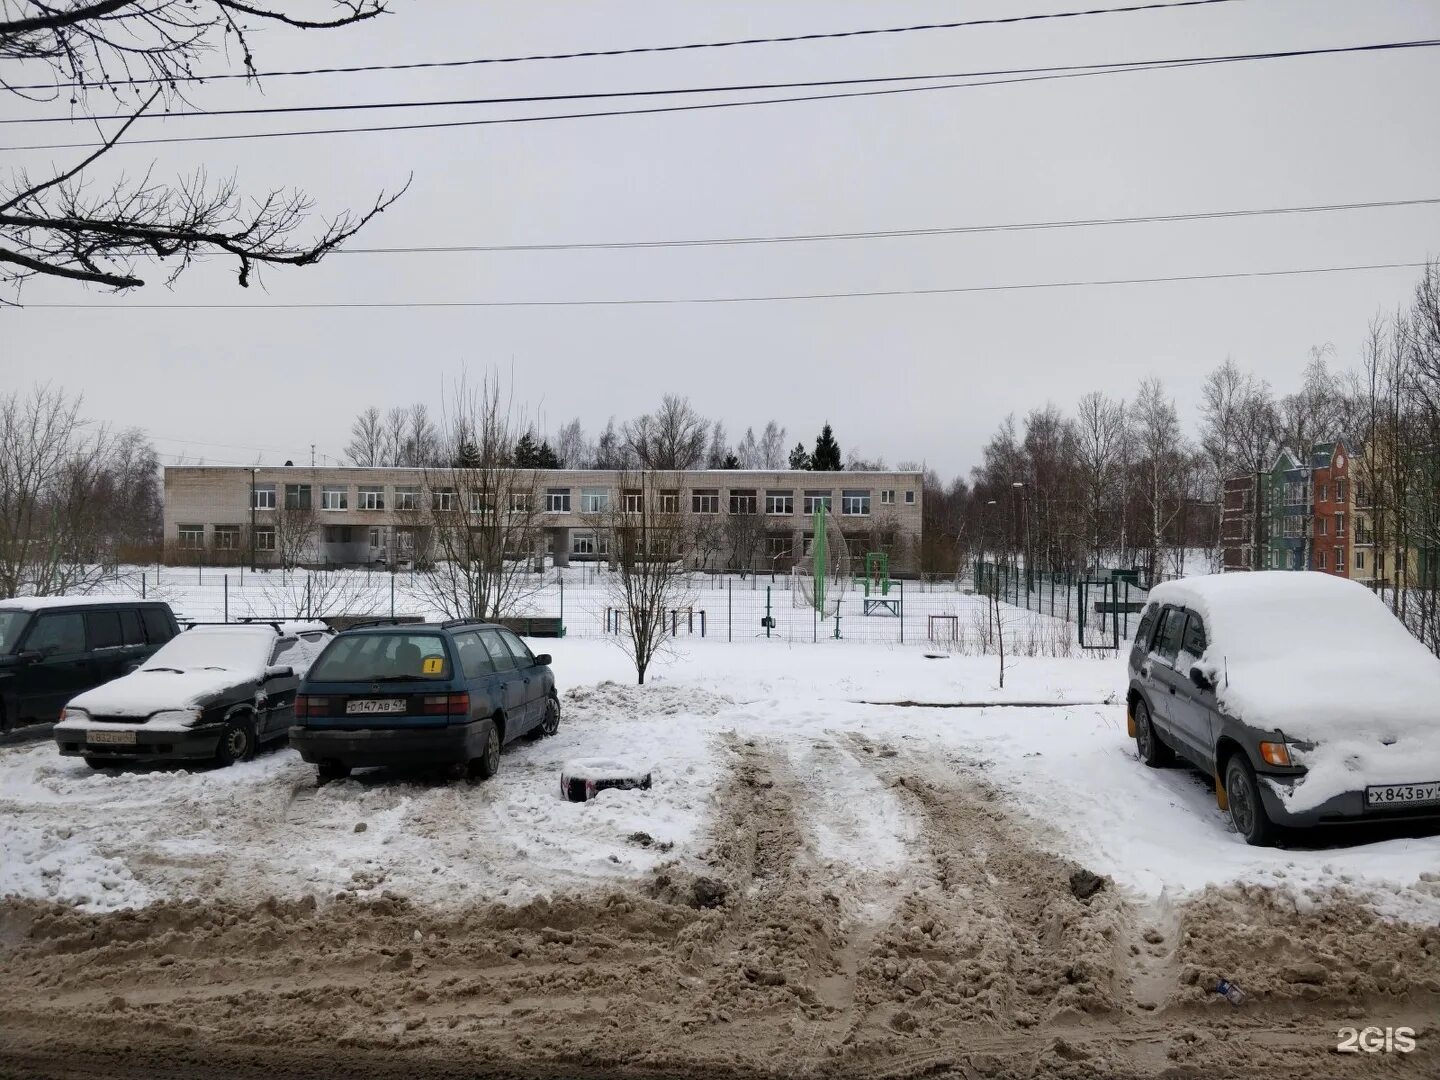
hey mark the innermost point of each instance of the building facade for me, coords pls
(350, 516)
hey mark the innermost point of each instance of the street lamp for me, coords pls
(252, 519)
(1019, 486)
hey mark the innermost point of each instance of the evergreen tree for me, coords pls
(800, 457)
(527, 454)
(827, 452)
(731, 461)
(546, 458)
(467, 455)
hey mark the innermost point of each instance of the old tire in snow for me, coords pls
(1153, 752)
(237, 741)
(549, 723)
(581, 780)
(488, 763)
(1247, 811)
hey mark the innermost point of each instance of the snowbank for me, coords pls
(1322, 660)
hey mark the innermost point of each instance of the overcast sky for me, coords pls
(911, 377)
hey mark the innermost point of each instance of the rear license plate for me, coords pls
(376, 705)
(1403, 794)
(126, 738)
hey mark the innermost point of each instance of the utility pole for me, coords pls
(252, 520)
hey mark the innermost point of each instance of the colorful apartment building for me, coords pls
(1286, 502)
(1332, 542)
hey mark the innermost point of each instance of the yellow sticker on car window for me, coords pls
(432, 665)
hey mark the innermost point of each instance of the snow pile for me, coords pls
(1322, 660)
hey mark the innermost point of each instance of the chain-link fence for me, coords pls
(940, 613)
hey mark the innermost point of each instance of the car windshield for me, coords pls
(382, 658)
(240, 649)
(12, 625)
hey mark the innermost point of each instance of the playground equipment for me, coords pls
(877, 600)
(822, 584)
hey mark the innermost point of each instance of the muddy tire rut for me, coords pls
(993, 958)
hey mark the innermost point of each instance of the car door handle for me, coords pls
(1172, 689)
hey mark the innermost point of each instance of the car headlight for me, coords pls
(70, 713)
(1275, 753)
(178, 716)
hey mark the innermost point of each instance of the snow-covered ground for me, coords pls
(1057, 754)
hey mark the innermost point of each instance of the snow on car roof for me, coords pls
(36, 603)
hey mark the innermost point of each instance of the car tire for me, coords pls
(327, 771)
(237, 741)
(98, 763)
(1152, 751)
(488, 763)
(549, 723)
(1247, 810)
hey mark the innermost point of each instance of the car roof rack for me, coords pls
(449, 624)
(274, 624)
(383, 621)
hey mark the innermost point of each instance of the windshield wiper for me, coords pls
(176, 670)
(387, 678)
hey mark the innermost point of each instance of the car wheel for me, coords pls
(1247, 812)
(98, 763)
(1153, 752)
(550, 723)
(488, 763)
(237, 742)
(331, 770)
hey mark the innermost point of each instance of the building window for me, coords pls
(557, 501)
(854, 503)
(669, 502)
(1293, 526)
(1324, 493)
(520, 502)
(887, 498)
(910, 497)
(1339, 524)
(334, 498)
(482, 502)
(444, 499)
(589, 544)
(227, 537)
(1339, 560)
(1359, 560)
(743, 502)
(1320, 559)
(705, 501)
(779, 502)
(377, 537)
(297, 497)
(407, 498)
(634, 502)
(817, 500)
(1339, 490)
(1294, 493)
(594, 500)
(337, 534)
(264, 497)
(779, 546)
(372, 498)
(190, 537)
(1320, 524)
(1360, 493)
(265, 538)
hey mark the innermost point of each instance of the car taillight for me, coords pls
(445, 705)
(311, 706)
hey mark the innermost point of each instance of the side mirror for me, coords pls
(1200, 679)
(283, 671)
(543, 660)
(30, 656)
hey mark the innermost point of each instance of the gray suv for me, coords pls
(1189, 680)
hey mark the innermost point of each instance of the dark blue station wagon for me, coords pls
(446, 695)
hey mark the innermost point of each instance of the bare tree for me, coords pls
(772, 447)
(53, 535)
(312, 595)
(744, 537)
(719, 448)
(480, 515)
(296, 530)
(571, 448)
(671, 438)
(748, 450)
(1100, 432)
(72, 224)
(1161, 455)
(650, 537)
(367, 439)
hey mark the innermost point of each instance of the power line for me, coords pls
(662, 301)
(956, 230)
(593, 53)
(1077, 71)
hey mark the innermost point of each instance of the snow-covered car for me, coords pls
(212, 692)
(1300, 692)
